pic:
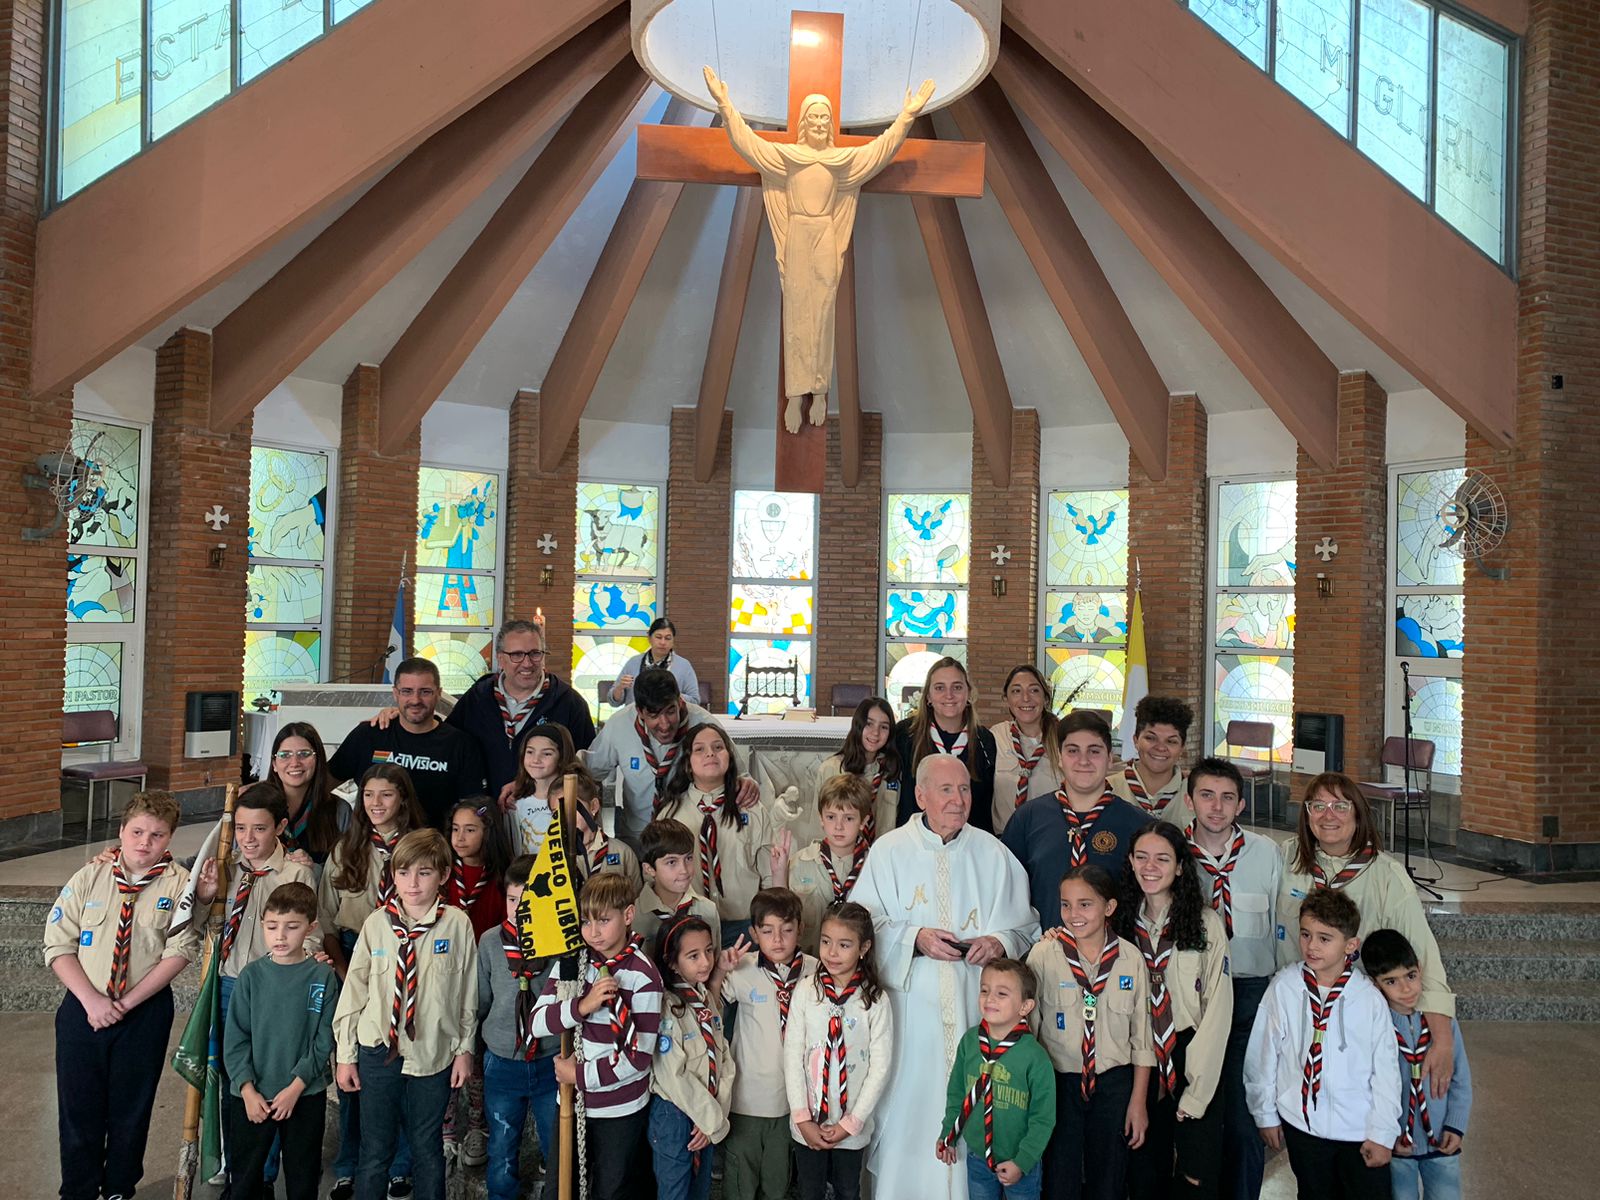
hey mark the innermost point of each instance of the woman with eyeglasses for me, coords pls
(663, 639)
(300, 767)
(1336, 845)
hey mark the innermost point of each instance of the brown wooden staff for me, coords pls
(567, 1139)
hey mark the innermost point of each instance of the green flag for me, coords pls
(198, 1061)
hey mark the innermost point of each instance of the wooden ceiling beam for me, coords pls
(733, 289)
(257, 345)
(1072, 278)
(847, 364)
(606, 299)
(477, 289)
(1281, 361)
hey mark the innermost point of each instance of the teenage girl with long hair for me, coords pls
(946, 723)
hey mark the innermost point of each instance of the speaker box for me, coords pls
(1318, 742)
(210, 724)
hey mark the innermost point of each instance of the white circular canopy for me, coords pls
(886, 44)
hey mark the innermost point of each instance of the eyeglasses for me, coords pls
(518, 656)
(300, 755)
(1323, 806)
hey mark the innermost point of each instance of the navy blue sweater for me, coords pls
(478, 713)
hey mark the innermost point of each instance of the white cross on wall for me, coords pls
(1325, 549)
(1000, 554)
(546, 544)
(216, 518)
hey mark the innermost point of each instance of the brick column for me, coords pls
(32, 572)
(850, 556)
(699, 532)
(538, 503)
(1533, 651)
(1002, 630)
(375, 533)
(194, 615)
(1341, 641)
(1167, 541)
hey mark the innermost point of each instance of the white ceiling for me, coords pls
(908, 366)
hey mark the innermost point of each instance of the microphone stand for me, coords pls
(1408, 769)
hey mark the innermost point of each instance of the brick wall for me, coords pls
(375, 533)
(1001, 630)
(194, 613)
(699, 532)
(1341, 640)
(849, 565)
(538, 503)
(1533, 655)
(32, 573)
(1167, 541)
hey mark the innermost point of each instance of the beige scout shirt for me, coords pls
(743, 848)
(250, 944)
(680, 1068)
(1202, 1000)
(1121, 1016)
(337, 911)
(1387, 899)
(886, 805)
(447, 994)
(757, 1037)
(869, 1059)
(83, 921)
(1044, 777)
(809, 880)
(1171, 803)
(615, 856)
(650, 910)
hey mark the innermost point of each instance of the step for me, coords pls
(36, 989)
(1492, 958)
(26, 905)
(1516, 920)
(1527, 1000)
(21, 946)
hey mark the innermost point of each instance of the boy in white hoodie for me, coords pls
(1320, 1075)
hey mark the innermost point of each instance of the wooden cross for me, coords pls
(924, 167)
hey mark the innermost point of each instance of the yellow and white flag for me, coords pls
(1136, 675)
(547, 918)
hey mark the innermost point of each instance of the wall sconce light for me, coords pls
(218, 554)
(1324, 585)
(547, 576)
(998, 585)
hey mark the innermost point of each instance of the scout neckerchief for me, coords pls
(1359, 862)
(294, 838)
(982, 1090)
(869, 827)
(461, 893)
(1091, 988)
(1025, 762)
(1416, 1089)
(1164, 1037)
(1081, 825)
(241, 900)
(1136, 789)
(661, 766)
(783, 981)
(1220, 871)
(527, 706)
(1321, 1010)
(682, 910)
(651, 665)
(524, 970)
(403, 1014)
(695, 997)
(956, 747)
(833, 1049)
(129, 889)
(621, 1013)
(710, 857)
(857, 860)
(385, 848)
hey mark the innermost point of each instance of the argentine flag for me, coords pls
(397, 634)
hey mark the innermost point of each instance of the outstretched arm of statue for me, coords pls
(752, 149)
(866, 161)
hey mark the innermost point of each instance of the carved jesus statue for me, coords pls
(809, 189)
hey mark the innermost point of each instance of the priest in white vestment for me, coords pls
(932, 885)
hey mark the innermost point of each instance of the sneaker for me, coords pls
(343, 1189)
(399, 1188)
(475, 1150)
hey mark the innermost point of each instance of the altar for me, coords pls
(781, 754)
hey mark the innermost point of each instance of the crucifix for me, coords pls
(816, 172)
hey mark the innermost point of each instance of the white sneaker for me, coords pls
(399, 1188)
(475, 1150)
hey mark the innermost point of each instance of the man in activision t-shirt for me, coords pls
(445, 763)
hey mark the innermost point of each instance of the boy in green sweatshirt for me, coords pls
(277, 1047)
(1001, 1068)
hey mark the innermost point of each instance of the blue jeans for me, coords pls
(1434, 1178)
(982, 1184)
(677, 1176)
(394, 1102)
(510, 1088)
(348, 1157)
(1244, 1155)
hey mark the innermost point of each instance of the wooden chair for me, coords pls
(910, 698)
(1399, 799)
(602, 692)
(1252, 735)
(847, 696)
(98, 727)
(771, 683)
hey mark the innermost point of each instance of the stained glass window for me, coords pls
(1084, 614)
(1392, 124)
(1429, 605)
(462, 658)
(99, 93)
(1242, 24)
(458, 526)
(772, 592)
(1099, 617)
(271, 30)
(286, 601)
(1470, 147)
(617, 558)
(1086, 539)
(1311, 58)
(1253, 566)
(457, 585)
(106, 559)
(927, 558)
(191, 50)
(1087, 679)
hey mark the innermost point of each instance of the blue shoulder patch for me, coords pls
(1125, 983)
(441, 945)
(164, 903)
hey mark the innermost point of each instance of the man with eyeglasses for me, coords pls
(444, 762)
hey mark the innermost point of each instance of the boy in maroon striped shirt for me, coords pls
(617, 1018)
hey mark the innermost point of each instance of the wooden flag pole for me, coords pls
(189, 1152)
(568, 1130)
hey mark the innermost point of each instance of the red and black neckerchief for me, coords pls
(710, 855)
(1359, 862)
(1091, 987)
(1163, 1031)
(1081, 825)
(128, 889)
(981, 1094)
(524, 970)
(1025, 763)
(841, 890)
(783, 982)
(460, 893)
(1136, 789)
(694, 995)
(1220, 872)
(661, 766)
(1416, 1088)
(1321, 1010)
(513, 724)
(869, 827)
(833, 1050)
(403, 1013)
(621, 1020)
(241, 901)
(385, 849)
